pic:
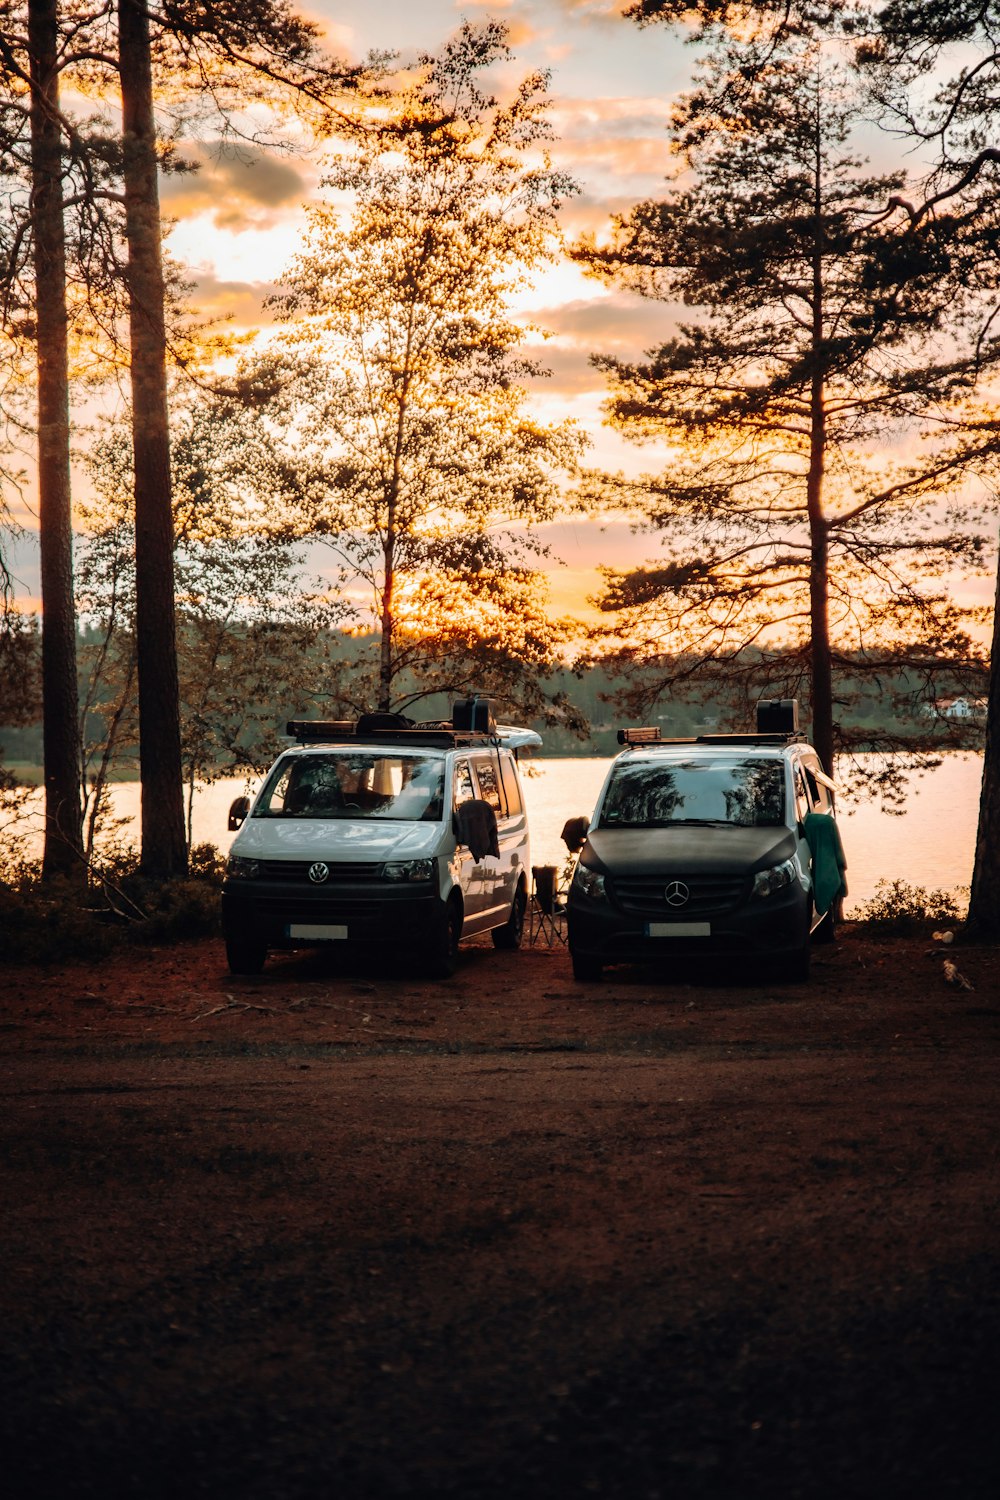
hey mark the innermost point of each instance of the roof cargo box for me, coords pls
(473, 716)
(778, 716)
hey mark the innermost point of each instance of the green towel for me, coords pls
(828, 861)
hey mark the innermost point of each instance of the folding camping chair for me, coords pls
(546, 912)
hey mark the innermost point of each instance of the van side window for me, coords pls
(465, 787)
(803, 801)
(489, 789)
(819, 795)
(511, 786)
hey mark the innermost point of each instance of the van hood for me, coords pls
(704, 848)
(343, 839)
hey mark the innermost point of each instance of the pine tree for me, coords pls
(793, 537)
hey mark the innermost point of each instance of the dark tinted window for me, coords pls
(747, 792)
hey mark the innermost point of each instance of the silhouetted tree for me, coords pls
(400, 382)
(937, 70)
(794, 538)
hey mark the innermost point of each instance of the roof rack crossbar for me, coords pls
(340, 731)
(636, 738)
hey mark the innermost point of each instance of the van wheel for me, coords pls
(586, 968)
(793, 967)
(246, 954)
(442, 955)
(512, 931)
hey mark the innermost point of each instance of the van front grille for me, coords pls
(335, 911)
(647, 894)
(298, 870)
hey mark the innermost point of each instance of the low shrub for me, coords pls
(51, 921)
(901, 910)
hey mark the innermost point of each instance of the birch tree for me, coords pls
(402, 377)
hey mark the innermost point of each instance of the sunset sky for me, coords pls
(239, 219)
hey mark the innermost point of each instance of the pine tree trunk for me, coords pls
(60, 724)
(163, 845)
(819, 537)
(387, 621)
(984, 897)
(819, 608)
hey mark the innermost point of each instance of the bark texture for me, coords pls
(984, 897)
(163, 848)
(60, 726)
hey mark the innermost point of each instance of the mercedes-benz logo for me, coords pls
(676, 894)
(318, 872)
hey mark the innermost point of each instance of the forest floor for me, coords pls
(344, 1232)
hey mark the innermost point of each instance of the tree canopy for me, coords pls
(822, 334)
(399, 375)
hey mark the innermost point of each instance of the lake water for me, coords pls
(931, 845)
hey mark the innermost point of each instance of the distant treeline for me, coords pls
(896, 705)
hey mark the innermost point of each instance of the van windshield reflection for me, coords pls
(742, 793)
(355, 784)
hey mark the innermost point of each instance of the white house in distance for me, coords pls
(956, 708)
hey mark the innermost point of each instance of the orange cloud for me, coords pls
(242, 188)
(241, 302)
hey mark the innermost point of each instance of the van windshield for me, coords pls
(355, 784)
(746, 792)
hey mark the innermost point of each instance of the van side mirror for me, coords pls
(238, 811)
(574, 834)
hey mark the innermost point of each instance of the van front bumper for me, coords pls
(774, 926)
(272, 912)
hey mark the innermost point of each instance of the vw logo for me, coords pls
(676, 893)
(318, 872)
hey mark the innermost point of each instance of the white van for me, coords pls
(382, 834)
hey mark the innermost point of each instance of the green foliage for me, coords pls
(61, 920)
(400, 383)
(901, 910)
(252, 636)
(795, 549)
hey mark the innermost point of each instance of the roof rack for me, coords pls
(436, 733)
(634, 738)
(338, 731)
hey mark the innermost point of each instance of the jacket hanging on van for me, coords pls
(828, 860)
(477, 827)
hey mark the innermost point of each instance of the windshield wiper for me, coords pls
(699, 823)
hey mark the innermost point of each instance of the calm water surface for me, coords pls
(931, 845)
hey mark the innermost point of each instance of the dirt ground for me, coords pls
(349, 1233)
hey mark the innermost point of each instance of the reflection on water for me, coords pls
(931, 845)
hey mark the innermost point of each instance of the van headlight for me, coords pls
(766, 882)
(242, 869)
(589, 883)
(409, 869)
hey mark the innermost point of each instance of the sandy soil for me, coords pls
(351, 1233)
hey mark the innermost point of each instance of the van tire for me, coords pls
(245, 953)
(586, 969)
(442, 953)
(512, 931)
(793, 968)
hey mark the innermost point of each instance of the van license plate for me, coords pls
(316, 932)
(678, 929)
